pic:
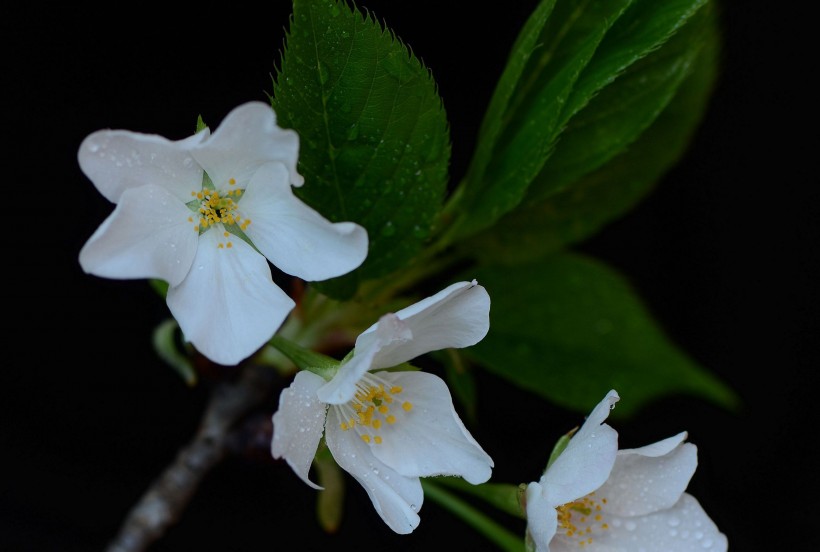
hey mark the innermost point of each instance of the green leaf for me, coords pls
(374, 140)
(522, 122)
(569, 328)
(614, 116)
(598, 197)
(584, 97)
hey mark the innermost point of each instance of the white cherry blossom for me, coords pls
(597, 498)
(389, 428)
(206, 214)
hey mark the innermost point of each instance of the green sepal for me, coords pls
(160, 286)
(559, 447)
(164, 340)
(200, 124)
(330, 501)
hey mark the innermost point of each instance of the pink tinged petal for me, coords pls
(298, 424)
(228, 305)
(295, 237)
(148, 235)
(458, 316)
(117, 160)
(428, 438)
(642, 483)
(588, 459)
(391, 332)
(245, 140)
(396, 498)
(542, 518)
(683, 528)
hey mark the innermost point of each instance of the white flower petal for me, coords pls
(542, 518)
(295, 237)
(682, 528)
(228, 305)
(298, 424)
(148, 235)
(247, 139)
(642, 483)
(116, 160)
(396, 498)
(429, 439)
(588, 459)
(457, 316)
(390, 333)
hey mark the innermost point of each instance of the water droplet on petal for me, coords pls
(413, 507)
(93, 148)
(630, 525)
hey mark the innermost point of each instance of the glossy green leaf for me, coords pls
(572, 91)
(374, 139)
(523, 118)
(603, 117)
(569, 328)
(607, 192)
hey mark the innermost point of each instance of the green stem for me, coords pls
(479, 521)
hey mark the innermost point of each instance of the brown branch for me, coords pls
(163, 503)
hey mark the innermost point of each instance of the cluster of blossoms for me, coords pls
(206, 214)
(599, 498)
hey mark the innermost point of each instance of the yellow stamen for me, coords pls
(584, 525)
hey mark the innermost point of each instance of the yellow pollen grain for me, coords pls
(378, 440)
(232, 181)
(384, 409)
(391, 419)
(199, 195)
(377, 424)
(605, 526)
(230, 244)
(366, 438)
(190, 219)
(220, 246)
(344, 426)
(396, 389)
(407, 406)
(226, 234)
(196, 228)
(598, 517)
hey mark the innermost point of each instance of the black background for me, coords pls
(723, 252)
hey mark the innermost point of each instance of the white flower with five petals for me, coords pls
(206, 214)
(595, 497)
(389, 428)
